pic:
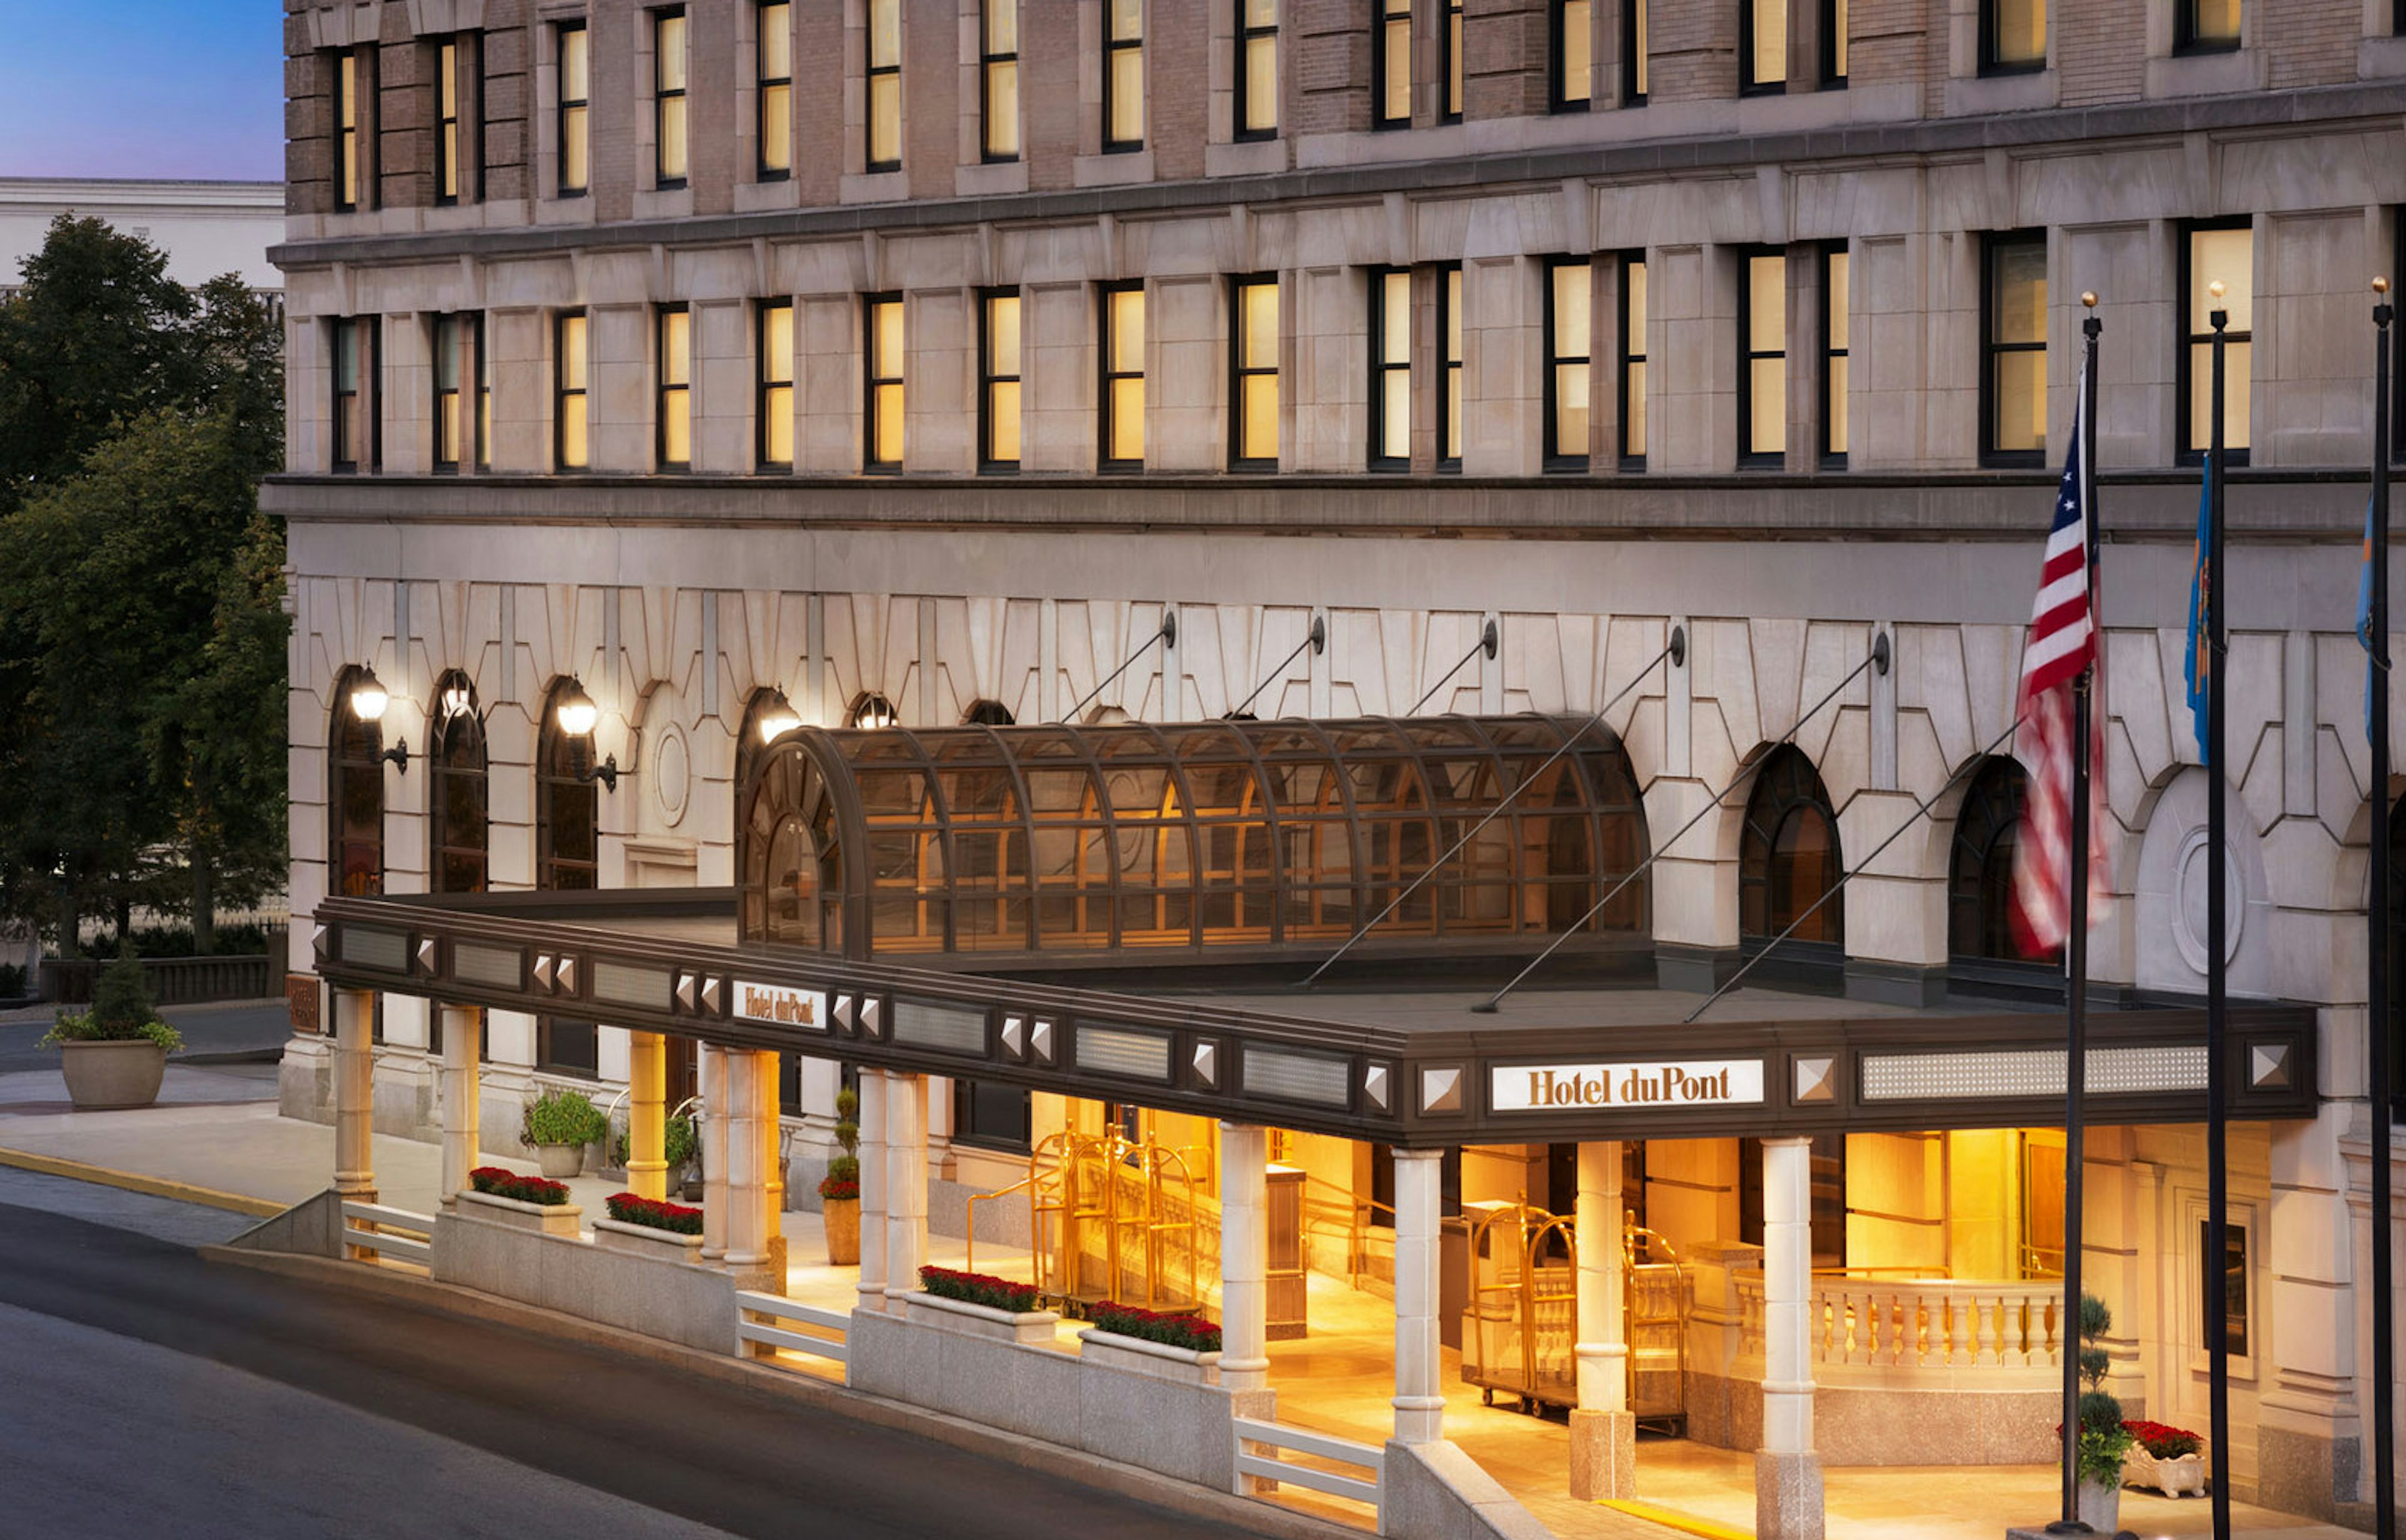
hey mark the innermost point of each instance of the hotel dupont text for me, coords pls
(1551, 1087)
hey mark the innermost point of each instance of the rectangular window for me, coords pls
(459, 425)
(451, 92)
(885, 126)
(1633, 30)
(1631, 382)
(1391, 65)
(571, 448)
(775, 80)
(2013, 36)
(1253, 357)
(990, 1116)
(2223, 252)
(575, 106)
(1258, 71)
(1450, 66)
(1391, 369)
(775, 408)
(1763, 359)
(999, 382)
(674, 408)
(998, 75)
(354, 446)
(882, 329)
(567, 1047)
(1763, 47)
(1123, 393)
(2226, 1286)
(2013, 340)
(484, 397)
(1836, 306)
(1449, 325)
(1571, 80)
(1833, 43)
(668, 99)
(1124, 77)
(1567, 358)
(2205, 26)
(349, 173)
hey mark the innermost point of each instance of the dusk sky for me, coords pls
(188, 89)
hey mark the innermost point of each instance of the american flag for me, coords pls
(2062, 642)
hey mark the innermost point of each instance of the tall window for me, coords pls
(1253, 350)
(1257, 72)
(575, 107)
(458, 835)
(1980, 864)
(2223, 252)
(991, 1115)
(1570, 48)
(1633, 30)
(882, 322)
(2013, 36)
(1632, 374)
(568, 858)
(1836, 325)
(999, 382)
(1761, 47)
(885, 126)
(775, 83)
(1448, 327)
(1763, 359)
(350, 170)
(1391, 369)
(354, 798)
(2205, 26)
(1391, 65)
(2013, 337)
(455, 94)
(998, 79)
(1567, 360)
(462, 401)
(1833, 43)
(1123, 392)
(670, 157)
(1123, 76)
(355, 426)
(1787, 854)
(1449, 63)
(674, 408)
(571, 448)
(775, 407)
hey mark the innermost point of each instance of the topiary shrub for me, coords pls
(563, 1117)
(122, 1010)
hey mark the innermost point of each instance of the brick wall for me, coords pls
(1328, 65)
(1695, 52)
(405, 112)
(308, 122)
(1504, 58)
(1178, 69)
(508, 107)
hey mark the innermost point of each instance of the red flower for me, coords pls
(502, 1182)
(627, 1209)
(1000, 1293)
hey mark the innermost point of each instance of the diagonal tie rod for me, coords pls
(1317, 641)
(1168, 633)
(1487, 640)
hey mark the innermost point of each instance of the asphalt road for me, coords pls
(144, 1393)
(212, 1033)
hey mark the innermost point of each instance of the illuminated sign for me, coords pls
(1653, 1084)
(777, 1005)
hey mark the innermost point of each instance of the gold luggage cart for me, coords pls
(1519, 1326)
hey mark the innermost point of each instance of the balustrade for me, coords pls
(1877, 1329)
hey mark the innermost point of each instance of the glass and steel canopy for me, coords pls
(1217, 835)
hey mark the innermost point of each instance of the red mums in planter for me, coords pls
(995, 1293)
(2163, 1441)
(839, 1188)
(1192, 1332)
(627, 1209)
(502, 1183)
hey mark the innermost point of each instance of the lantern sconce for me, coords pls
(577, 716)
(369, 698)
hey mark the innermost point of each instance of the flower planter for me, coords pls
(549, 1219)
(647, 1241)
(103, 1076)
(2183, 1475)
(560, 1161)
(1034, 1328)
(2101, 1507)
(842, 1217)
(1152, 1360)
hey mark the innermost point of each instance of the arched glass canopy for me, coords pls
(1209, 835)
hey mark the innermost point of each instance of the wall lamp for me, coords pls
(777, 718)
(369, 698)
(577, 716)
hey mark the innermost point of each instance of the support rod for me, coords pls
(1487, 642)
(1317, 641)
(1168, 633)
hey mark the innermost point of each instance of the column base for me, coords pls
(1787, 1496)
(1604, 1455)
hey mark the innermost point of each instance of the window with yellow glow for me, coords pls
(882, 315)
(2225, 254)
(999, 382)
(348, 174)
(1567, 358)
(999, 79)
(675, 405)
(1123, 76)
(2014, 384)
(1449, 451)
(775, 406)
(571, 447)
(775, 84)
(1258, 71)
(1835, 327)
(884, 125)
(575, 108)
(1572, 78)
(667, 98)
(1763, 359)
(1391, 369)
(1391, 65)
(1632, 374)
(1762, 46)
(1123, 396)
(1254, 348)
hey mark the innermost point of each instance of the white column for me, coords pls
(1244, 1256)
(354, 1092)
(714, 1152)
(1419, 1400)
(1787, 1472)
(747, 1208)
(1604, 1432)
(939, 1127)
(872, 1118)
(463, 1097)
(906, 1184)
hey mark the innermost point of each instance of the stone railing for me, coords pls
(172, 980)
(1920, 1332)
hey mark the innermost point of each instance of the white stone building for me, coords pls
(204, 228)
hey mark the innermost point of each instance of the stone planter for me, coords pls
(1033, 1328)
(1152, 1360)
(548, 1219)
(2101, 1507)
(842, 1220)
(560, 1162)
(102, 1076)
(2184, 1475)
(647, 1241)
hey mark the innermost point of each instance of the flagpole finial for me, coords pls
(2089, 298)
(2381, 286)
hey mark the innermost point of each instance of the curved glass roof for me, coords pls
(1203, 835)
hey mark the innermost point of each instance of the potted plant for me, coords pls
(2104, 1440)
(2171, 1460)
(840, 1189)
(115, 1054)
(558, 1126)
(681, 1148)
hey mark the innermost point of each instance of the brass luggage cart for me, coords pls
(1519, 1323)
(1654, 1322)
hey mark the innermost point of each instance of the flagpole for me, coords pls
(2215, 1289)
(2376, 915)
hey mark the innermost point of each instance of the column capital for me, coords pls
(1412, 1155)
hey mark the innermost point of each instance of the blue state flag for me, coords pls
(2197, 668)
(2364, 621)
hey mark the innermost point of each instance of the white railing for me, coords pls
(1271, 1437)
(776, 1308)
(391, 1233)
(1950, 1325)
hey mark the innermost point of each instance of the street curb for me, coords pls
(133, 1181)
(1683, 1522)
(1087, 1469)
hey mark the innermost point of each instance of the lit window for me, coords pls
(1762, 46)
(576, 104)
(1833, 42)
(2014, 384)
(2212, 253)
(571, 449)
(1633, 363)
(1763, 361)
(1449, 43)
(349, 173)
(884, 149)
(1391, 369)
(776, 86)
(1124, 77)
(1256, 349)
(459, 370)
(1391, 65)
(883, 323)
(1572, 75)
(452, 89)
(1567, 365)
(1449, 454)
(2013, 35)
(2205, 26)
(355, 404)
(775, 407)
(1633, 29)
(999, 383)
(998, 71)
(675, 405)
(1257, 74)
(1834, 328)
(1123, 434)
(668, 104)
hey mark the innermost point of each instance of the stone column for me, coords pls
(1244, 1257)
(906, 1184)
(872, 1118)
(941, 1161)
(747, 1195)
(354, 1092)
(714, 1152)
(464, 1098)
(1787, 1472)
(1604, 1430)
(647, 1089)
(1419, 1399)
(772, 1186)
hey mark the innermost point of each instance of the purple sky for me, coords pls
(187, 88)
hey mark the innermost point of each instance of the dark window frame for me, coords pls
(763, 82)
(457, 754)
(2185, 40)
(872, 381)
(1746, 83)
(1451, 87)
(1992, 59)
(1107, 375)
(663, 94)
(987, 58)
(1992, 247)
(562, 32)
(454, 135)
(764, 385)
(1113, 46)
(563, 768)
(1828, 352)
(562, 391)
(1384, 18)
(1383, 366)
(1834, 45)
(367, 449)
(663, 389)
(1238, 371)
(470, 393)
(1450, 366)
(355, 141)
(1626, 333)
(1987, 827)
(1555, 459)
(354, 748)
(988, 379)
(1787, 785)
(871, 73)
(1636, 37)
(978, 1103)
(2184, 382)
(1750, 459)
(1247, 35)
(1558, 97)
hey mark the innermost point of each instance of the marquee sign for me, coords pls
(777, 1004)
(1649, 1084)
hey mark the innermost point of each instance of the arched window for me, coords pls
(1788, 856)
(567, 802)
(1980, 868)
(767, 717)
(987, 713)
(458, 837)
(872, 710)
(354, 798)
